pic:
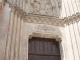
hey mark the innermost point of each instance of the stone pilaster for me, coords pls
(21, 40)
(25, 42)
(68, 45)
(12, 53)
(78, 27)
(77, 37)
(73, 39)
(17, 40)
(9, 36)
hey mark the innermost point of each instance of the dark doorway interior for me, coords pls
(43, 49)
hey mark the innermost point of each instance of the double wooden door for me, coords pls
(43, 49)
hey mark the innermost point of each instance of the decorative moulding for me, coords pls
(43, 19)
(43, 35)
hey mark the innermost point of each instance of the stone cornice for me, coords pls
(72, 19)
(39, 19)
(43, 19)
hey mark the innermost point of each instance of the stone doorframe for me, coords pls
(42, 35)
(39, 33)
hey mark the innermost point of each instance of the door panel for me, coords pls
(43, 49)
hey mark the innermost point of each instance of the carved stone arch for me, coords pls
(42, 35)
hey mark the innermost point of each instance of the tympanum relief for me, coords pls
(45, 7)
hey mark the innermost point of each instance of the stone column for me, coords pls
(12, 56)
(77, 36)
(18, 3)
(27, 6)
(17, 40)
(25, 41)
(69, 50)
(78, 27)
(21, 2)
(73, 40)
(9, 36)
(62, 48)
(21, 40)
(24, 5)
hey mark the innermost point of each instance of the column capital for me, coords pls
(58, 39)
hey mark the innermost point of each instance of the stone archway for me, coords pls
(42, 31)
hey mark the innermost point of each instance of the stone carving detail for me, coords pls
(44, 20)
(52, 20)
(45, 7)
(35, 6)
(72, 19)
(44, 28)
(41, 19)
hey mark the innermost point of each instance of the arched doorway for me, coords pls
(43, 49)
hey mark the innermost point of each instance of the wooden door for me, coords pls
(43, 49)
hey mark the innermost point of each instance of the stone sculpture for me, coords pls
(44, 7)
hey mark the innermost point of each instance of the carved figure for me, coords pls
(35, 7)
(48, 9)
(44, 7)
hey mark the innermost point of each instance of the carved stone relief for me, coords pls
(44, 28)
(44, 20)
(35, 7)
(45, 7)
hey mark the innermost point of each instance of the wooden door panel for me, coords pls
(49, 50)
(37, 49)
(43, 49)
(40, 58)
(56, 58)
(32, 57)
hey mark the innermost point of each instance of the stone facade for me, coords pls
(21, 20)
